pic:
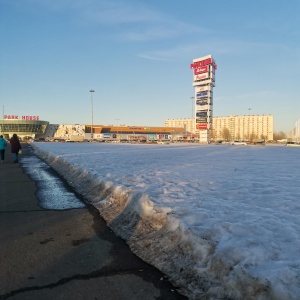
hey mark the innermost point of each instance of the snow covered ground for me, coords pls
(220, 221)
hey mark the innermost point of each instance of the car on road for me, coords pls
(238, 143)
(292, 144)
(163, 142)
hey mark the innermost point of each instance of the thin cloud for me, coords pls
(142, 23)
(229, 48)
(122, 13)
(126, 20)
(153, 58)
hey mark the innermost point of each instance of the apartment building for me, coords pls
(248, 127)
(294, 134)
(187, 124)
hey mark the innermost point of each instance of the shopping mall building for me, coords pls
(26, 127)
(32, 128)
(233, 127)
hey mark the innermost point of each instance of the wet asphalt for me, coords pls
(54, 246)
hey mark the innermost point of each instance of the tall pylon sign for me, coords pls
(204, 82)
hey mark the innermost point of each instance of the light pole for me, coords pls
(92, 91)
(117, 127)
(3, 119)
(249, 124)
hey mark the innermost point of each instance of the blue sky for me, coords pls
(136, 55)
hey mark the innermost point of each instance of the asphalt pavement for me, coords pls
(65, 254)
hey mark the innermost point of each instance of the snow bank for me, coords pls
(214, 258)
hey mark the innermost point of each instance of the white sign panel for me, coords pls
(201, 76)
(204, 88)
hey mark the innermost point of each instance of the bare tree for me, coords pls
(279, 136)
(263, 137)
(212, 133)
(226, 134)
(253, 137)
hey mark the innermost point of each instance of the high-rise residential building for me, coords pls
(294, 134)
(247, 127)
(187, 124)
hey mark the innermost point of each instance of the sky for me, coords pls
(221, 221)
(136, 55)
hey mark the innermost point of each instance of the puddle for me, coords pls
(52, 192)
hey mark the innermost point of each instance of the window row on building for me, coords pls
(232, 127)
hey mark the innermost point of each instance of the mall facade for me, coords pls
(30, 128)
(26, 127)
(112, 133)
(249, 127)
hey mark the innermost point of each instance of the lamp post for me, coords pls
(249, 109)
(92, 91)
(3, 119)
(117, 127)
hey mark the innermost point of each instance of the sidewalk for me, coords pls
(67, 254)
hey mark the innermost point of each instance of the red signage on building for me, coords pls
(201, 126)
(30, 118)
(202, 63)
(11, 117)
(27, 118)
(201, 76)
(200, 70)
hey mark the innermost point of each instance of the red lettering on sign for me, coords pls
(201, 63)
(30, 118)
(201, 126)
(201, 70)
(11, 117)
(199, 77)
(14, 117)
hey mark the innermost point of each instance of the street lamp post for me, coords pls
(3, 119)
(92, 91)
(117, 127)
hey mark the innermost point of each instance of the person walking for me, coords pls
(15, 147)
(3, 145)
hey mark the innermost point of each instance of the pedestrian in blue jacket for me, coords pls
(3, 145)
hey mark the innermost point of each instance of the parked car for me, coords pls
(163, 142)
(292, 144)
(238, 143)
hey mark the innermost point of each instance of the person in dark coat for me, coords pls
(15, 147)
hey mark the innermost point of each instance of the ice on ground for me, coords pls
(220, 221)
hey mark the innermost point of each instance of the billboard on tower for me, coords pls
(203, 80)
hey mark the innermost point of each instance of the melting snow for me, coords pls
(220, 221)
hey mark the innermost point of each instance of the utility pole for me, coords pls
(92, 110)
